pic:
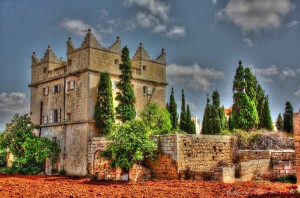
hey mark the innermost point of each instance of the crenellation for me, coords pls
(116, 46)
(90, 41)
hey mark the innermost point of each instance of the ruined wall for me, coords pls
(297, 146)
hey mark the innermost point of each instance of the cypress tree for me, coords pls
(279, 123)
(230, 123)
(183, 118)
(125, 109)
(260, 97)
(251, 84)
(172, 108)
(190, 124)
(288, 125)
(206, 127)
(216, 125)
(222, 118)
(268, 124)
(104, 110)
(244, 114)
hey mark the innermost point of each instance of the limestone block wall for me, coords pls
(204, 152)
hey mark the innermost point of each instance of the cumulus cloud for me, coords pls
(293, 24)
(256, 15)
(193, 76)
(297, 93)
(10, 104)
(154, 16)
(248, 42)
(266, 74)
(78, 27)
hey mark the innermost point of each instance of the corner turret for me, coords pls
(162, 57)
(50, 56)
(141, 53)
(90, 40)
(70, 46)
(116, 46)
(34, 59)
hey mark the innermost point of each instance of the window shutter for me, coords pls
(53, 89)
(58, 115)
(113, 84)
(58, 88)
(51, 117)
(46, 91)
(45, 119)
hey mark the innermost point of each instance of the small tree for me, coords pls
(125, 109)
(268, 124)
(131, 143)
(288, 125)
(28, 150)
(279, 123)
(172, 108)
(183, 119)
(104, 110)
(158, 120)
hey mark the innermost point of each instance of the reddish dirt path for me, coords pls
(58, 186)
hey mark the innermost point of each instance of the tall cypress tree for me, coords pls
(172, 108)
(279, 123)
(288, 125)
(268, 124)
(260, 97)
(244, 114)
(125, 109)
(251, 84)
(216, 125)
(206, 127)
(183, 119)
(104, 110)
(190, 127)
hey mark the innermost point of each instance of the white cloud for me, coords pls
(256, 15)
(266, 74)
(248, 42)
(154, 16)
(215, 2)
(293, 24)
(176, 31)
(10, 104)
(78, 27)
(297, 93)
(155, 7)
(193, 76)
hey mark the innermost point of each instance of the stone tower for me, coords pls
(64, 93)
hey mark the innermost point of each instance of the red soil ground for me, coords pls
(59, 186)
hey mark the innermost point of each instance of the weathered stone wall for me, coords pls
(139, 173)
(297, 146)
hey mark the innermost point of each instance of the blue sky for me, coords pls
(204, 40)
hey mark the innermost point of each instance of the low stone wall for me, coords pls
(139, 173)
(268, 164)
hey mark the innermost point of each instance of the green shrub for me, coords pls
(2, 158)
(131, 143)
(287, 179)
(62, 172)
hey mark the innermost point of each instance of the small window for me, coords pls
(116, 61)
(145, 90)
(56, 115)
(149, 91)
(45, 69)
(55, 89)
(68, 117)
(113, 85)
(45, 91)
(144, 67)
(45, 118)
(71, 85)
(70, 62)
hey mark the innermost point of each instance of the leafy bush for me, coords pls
(131, 143)
(28, 150)
(2, 157)
(287, 179)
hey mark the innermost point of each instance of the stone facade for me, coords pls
(296, 121)
(64, 93)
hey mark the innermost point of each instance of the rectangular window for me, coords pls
(71, 85)
(45, 118)
(56, 115)
(56, 89)
(54, 139)
(45, 69)
(70, 62)
(145, 90)
(144, 67)
(45, 91)
(68, 117)
(116, 62)
(149, 91)
(113, 85)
